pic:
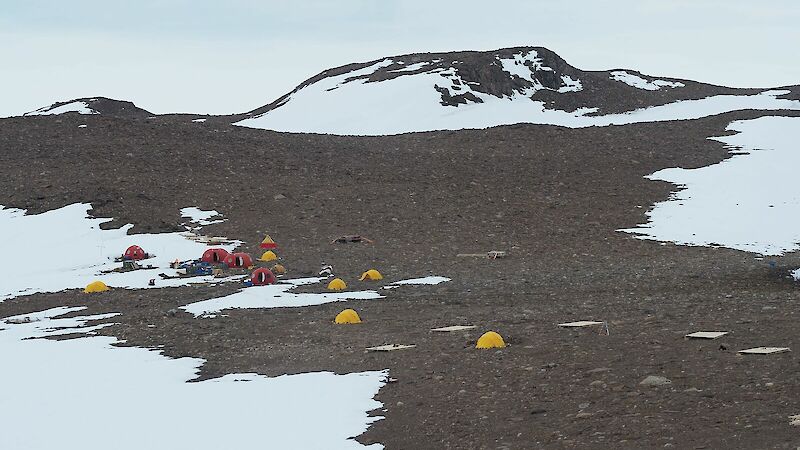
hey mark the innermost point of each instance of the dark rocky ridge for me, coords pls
(482, 70)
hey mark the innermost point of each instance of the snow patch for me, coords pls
(425, 280)
(134, 397)
(412, 67)
(275, 296)
(78, 107)
(570, 85)
(524, 66)
(76, 250)
(201, 217)
(199, 120)
(750, 202)
(640, 83)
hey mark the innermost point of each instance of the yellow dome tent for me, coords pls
(268, 255)
(278, 269)
(347, 316)
(96, 286)
(371, 274)
(490, 339)
(337, 284)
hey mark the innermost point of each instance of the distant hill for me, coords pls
(470, 89)
(94, 105)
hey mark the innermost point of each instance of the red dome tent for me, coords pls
(238, 260)
(262, 276)
(135, 253)
(215, 255)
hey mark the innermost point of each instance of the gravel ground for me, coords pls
(552, 197)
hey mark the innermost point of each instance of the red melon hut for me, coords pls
(215, 255)
(262, 276)
(238, 260)
(135, 253)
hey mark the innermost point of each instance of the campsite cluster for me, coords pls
(219, 263)
(214, 261)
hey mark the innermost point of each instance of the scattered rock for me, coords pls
(655, 380)
(598, 370)
(583, 415)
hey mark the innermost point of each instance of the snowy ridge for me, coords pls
(475, 90)
(102, 106)
(76, 107)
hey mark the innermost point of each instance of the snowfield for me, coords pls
(750, 202)
(135, 398)
(347, 105)
(77, 251)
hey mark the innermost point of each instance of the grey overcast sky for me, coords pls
(221, 57)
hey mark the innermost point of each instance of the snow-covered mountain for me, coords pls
(95, 105)
(423, 92)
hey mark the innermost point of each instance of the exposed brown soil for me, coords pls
(552, 197)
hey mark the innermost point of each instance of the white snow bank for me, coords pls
(749, 202)
(65, 249)
(640, 83)
(201, 217)
(425, 280)
(275, 296)
(411, 103)
(87, 393)
(78, 107)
